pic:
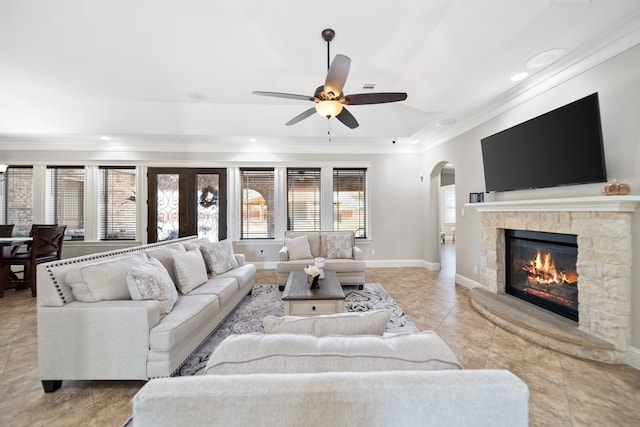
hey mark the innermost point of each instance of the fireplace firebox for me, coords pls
(541, 269)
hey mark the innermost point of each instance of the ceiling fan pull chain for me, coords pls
(329, 128)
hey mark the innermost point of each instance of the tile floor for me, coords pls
(565, 391)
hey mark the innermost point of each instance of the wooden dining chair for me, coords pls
(46, 246)
(6, 230)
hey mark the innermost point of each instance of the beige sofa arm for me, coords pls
(240, 258)
(283, 254)
(357, 253)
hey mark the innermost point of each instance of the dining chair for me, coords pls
(46, 246)
(6, 230)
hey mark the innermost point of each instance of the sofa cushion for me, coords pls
(371, 322)
(298, 247)
(244, 274)
(191, 313)
(225, 288)
(219, 256)
(151, 281)
(165, 256)
(103, 281)
(296, 353)
(191, 271)
(339, 246)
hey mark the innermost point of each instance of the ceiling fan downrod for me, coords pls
(327, 35)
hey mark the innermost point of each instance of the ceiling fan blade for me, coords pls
(284, 95)
(337, 74)
(374, 98)
(310, 112)
(347, 118)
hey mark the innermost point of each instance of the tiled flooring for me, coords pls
(565, 391)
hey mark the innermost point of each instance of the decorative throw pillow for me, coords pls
(190, 270)
(362, 323)
(103, 281)
(219, 256)
(151, 280)
(165, 256)
(339, 246)
(298, 247)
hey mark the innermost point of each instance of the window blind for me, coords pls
(17, 199)
(257, 187)
(303, 199)
(117, 203)
(350, 200)
(65, 199)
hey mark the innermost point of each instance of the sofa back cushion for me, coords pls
(165, 256)
(297, 353)
(103, 281)
(371, 322)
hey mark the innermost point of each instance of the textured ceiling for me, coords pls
(151, 72)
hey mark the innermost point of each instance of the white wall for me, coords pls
(618, 83)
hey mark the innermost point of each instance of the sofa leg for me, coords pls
(281, 288)
(50, 386)
(361, 287)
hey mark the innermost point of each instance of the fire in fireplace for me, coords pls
(541, 269)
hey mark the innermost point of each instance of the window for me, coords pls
(117, 203)
(350, 200)
(449, 205)
(303, 199)
(65, 199)
(16, 194)
(257, 187)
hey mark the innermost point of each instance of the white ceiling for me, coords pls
(151, 73)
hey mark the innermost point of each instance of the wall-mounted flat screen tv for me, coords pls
(561, 147)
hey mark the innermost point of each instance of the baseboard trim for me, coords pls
(466, 282)
(403, 263)
(633, 357)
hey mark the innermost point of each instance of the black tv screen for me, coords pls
(561, 147)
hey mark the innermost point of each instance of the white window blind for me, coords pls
(257, 186)
(117, 203)
(16, 194)
(350, 200)
(303, 199)
(65, 199)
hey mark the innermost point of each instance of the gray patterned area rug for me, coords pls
(265, 300)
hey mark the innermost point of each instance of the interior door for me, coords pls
(186, 202)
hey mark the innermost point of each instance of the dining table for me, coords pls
(8, 247)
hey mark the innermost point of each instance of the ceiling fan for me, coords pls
(329, 98)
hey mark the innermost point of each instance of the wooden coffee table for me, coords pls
(299, 300)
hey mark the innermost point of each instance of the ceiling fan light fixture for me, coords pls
(328, 108)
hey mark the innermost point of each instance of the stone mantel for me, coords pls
(584, 204)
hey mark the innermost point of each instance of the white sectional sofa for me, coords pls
(338, 248)
(118, 316)
(364, 380)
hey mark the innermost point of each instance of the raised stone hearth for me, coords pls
(603, 227)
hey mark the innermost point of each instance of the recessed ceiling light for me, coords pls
(545, 58)
(416, 141)
(519, 76)
(253, 140)
(105, 138)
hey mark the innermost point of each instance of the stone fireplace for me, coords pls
(602, 226)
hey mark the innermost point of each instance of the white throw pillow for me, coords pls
(371, 322)
(151, 280)
(298, 247)
(191, 271)
(339, 246)
(219, 256)
(103, 281)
